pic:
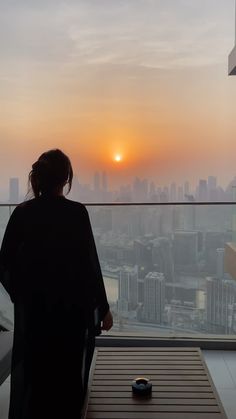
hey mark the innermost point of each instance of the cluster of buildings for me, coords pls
(169, 266)
(168, 260)
(141, 190)
(144, 190)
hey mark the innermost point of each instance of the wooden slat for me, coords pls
(147, 349)
(182, 387)
(156, 379)
(148, 364)
(155, 395)
(153, 361)
(173, 388)
(157, 383)
(151, 415)
(145, 408)
(137, 401)
(152, 358)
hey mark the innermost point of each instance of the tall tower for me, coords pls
(128, 286)
(220, 255)
(14, 190)
(154, 297)
(220, 298)
(202, 190)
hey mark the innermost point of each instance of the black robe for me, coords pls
(52, 274)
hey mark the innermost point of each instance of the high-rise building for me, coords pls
(162, 257)
(128, 286)
(186, 188)
(152, 191)
(212, 182)
(220, 256)
(14, 190)
(213, 192)
(220, 297)
(154, 297)
(180, 194)
(213, 241)
(202, 190)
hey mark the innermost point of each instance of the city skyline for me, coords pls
(100, 190)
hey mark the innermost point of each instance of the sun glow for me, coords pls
(118, 158)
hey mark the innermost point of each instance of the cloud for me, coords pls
(149, 33)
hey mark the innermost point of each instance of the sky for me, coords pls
(146, 79)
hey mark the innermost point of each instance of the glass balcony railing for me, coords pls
(163, 266)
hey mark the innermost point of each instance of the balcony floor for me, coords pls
(221, 364)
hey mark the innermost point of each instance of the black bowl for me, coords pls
(142, 386)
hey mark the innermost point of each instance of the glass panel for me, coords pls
(163, 267)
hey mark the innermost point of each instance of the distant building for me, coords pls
(162, 258)
(220, 256)
(202, 190)
(213, 241)
(154, 297)
(128, 286)
(212, 182)
(220, 298)
(186, 188)
(180, 195)
(14, 191)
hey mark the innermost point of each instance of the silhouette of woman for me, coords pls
(53, 276)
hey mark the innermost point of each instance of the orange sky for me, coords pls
(147, 80)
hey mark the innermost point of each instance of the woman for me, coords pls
(53, 276)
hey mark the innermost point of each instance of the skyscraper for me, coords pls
(220, 255)
(14, 190)
(212, 182)
(154, 297)
(220, 299)
(128, 286)
(202, 190)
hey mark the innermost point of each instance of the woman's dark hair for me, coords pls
(52, 170)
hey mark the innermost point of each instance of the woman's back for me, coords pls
(54, 252)
(52, 273)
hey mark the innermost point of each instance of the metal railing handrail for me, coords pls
(130, 204)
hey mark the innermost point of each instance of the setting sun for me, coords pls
(118, 158)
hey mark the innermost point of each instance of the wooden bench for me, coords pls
(182, 386)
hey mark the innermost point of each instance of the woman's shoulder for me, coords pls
(19, 208)
(75, 206)
(62, 204)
